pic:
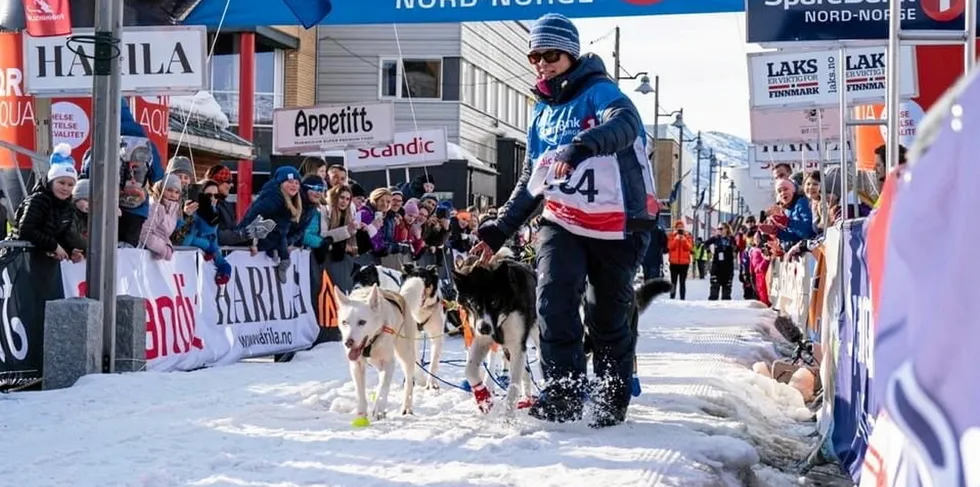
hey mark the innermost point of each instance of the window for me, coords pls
(469, 83)
(502, 101)
(492, 95)
(481, 89)
(411, 78)
(269, 78)
(515, 107)
(522, 121)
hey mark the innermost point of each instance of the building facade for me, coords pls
(472, 79)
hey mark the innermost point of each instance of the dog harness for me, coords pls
(384, 329)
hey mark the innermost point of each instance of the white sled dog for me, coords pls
(377, 327)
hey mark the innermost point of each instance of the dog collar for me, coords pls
(389, 330)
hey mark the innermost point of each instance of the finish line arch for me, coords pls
(252, 13)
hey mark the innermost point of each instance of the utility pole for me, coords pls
(616, 64)
(104, 225)
(697, 193)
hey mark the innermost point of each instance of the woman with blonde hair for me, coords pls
(279, 201)
(376, 232)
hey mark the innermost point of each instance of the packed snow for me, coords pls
(704, 419)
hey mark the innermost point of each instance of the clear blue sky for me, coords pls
(701, 60)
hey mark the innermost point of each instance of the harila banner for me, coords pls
(802, 157)
(409, 149)
(794, 125)
(808, 78)
(191, 323)
(47, 18)
(297, 130)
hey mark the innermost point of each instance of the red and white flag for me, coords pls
(47, 18)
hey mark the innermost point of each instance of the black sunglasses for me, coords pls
(548, 56)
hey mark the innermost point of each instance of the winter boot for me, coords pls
(557, 405)
(282, 270)
(611, 399)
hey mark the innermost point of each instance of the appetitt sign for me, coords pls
(321, 127)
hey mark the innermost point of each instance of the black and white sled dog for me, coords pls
(378, 327)
(431, 317)
(371, 275)
(500, 298)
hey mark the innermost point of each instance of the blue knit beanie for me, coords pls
(555, 31)
(285, 173)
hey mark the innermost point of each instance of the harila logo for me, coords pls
(943, 10)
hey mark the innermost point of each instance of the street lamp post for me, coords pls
(731, 196)
(712, 162)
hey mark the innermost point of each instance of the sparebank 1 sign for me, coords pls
(308, 129)
(828, 20)
(808, 78)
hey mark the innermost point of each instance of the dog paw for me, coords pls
(525, 402)
(432, 385)
(408, 412)
(378, 415)
(484, 400)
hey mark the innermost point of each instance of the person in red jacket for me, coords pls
(680, 243)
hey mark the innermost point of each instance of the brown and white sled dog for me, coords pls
(431, 317)
(499, 298)
(378, 327)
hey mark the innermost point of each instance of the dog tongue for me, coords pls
(354, 354)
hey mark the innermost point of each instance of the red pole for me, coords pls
(246, 116)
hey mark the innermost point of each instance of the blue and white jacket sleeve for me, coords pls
(618, 126)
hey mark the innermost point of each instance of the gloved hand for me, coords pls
(572, 154)
(491, 235)
(282, 270)
(259, 228)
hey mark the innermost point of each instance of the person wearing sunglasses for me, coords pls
(586, 161)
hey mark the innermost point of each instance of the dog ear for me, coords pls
(339, 297)
(374, 300)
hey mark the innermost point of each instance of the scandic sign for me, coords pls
(297, 130)
(153, 61)
(808, 78)
(794, 125)
(831, 20)
(408, 149)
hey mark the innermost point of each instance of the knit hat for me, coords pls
(430, 196)
(555, 31)
(180, 165)
(62, 164)
(83, 190)
(286, 173)
(172, 181)
(356, 190)
(411, 208)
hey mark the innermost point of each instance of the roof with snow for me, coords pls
(198, 122)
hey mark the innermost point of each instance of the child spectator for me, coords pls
(80, 199)
(45, 217)
(163, 218)
(204, 231)
(278, 201)
(759, 263)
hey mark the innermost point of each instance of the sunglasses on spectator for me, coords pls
(549, 57)
(211, 195)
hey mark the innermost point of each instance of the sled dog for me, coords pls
(378, 327)
(431, 317)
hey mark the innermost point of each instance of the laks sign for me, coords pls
(409, 149)
(809, 78)
(323, 127)
(153, 60)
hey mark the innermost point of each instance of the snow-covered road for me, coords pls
(704, 419)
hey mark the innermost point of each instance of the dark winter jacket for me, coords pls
(271, 204)
(584, 94)
(415, 189)
(723, 256)
(47, 222)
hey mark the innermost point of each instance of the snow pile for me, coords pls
(201, 104)
(704, 419)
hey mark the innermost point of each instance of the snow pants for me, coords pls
(721, 281)
(564, 261)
